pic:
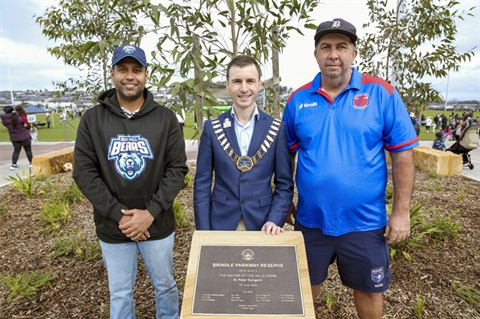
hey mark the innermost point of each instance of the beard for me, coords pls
(130, 95)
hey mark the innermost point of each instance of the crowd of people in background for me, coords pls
(450, 127)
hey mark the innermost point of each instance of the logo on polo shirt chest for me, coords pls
(361, 101)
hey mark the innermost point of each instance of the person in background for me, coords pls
(34, 132)
(47, 119)
(19, 135)
(438, 143)
(63, 117)
(131, 170)
(459, 128)
(341, 170)
(21, 112)
(440, 122)
(448, 133)
(428, 124)
(415, 123)
(243, 149)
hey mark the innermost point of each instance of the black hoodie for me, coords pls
(128, 163)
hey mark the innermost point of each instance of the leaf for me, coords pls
(400, 44)
(407, 256)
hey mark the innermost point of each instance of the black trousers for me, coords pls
(17, 147)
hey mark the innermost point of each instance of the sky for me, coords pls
(26, 64)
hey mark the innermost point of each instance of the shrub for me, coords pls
(27, 284)
(433, 175)
(418, 310)
(72, 195)
(420, 229)
(467, 293)
(77, 245)
(54, 216)
(181, 216)
(29, 186)
(187, 181)
(447, 227)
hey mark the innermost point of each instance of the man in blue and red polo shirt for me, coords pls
(340, 125)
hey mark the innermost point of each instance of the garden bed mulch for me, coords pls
(80, 288)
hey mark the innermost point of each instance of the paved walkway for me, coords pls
(191, 147)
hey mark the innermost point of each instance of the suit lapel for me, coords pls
(259, 133)
(230, 131)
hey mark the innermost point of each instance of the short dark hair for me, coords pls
(243, 61)
(8, 109)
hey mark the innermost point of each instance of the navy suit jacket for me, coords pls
(239, 194)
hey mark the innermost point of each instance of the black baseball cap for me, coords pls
(129, 50)
(336, 26)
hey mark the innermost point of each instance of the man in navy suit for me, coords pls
(239, 152)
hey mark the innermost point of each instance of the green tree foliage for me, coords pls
(200, 37)
(283, 91)
(418, 41)
(86, 32)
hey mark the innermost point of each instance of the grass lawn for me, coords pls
(68, 132)
(56, 133)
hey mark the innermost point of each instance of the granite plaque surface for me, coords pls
(248, 280)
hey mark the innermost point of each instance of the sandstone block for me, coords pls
(442, 163)
(52, 162)
(432, 160)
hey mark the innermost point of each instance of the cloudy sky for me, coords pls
(26, 64)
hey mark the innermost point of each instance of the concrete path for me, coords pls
(191, 147)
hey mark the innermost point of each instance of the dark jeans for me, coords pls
(17, 147)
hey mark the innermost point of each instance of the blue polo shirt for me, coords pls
(341, 169)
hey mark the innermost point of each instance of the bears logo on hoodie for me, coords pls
(129, 153)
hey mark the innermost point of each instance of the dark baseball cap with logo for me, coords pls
(129, 50)
(336, 26)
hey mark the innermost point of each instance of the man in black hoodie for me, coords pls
(130, 163)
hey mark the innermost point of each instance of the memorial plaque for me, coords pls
(250, 274)
(248, 280)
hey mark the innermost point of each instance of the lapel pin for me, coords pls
(227, 123)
